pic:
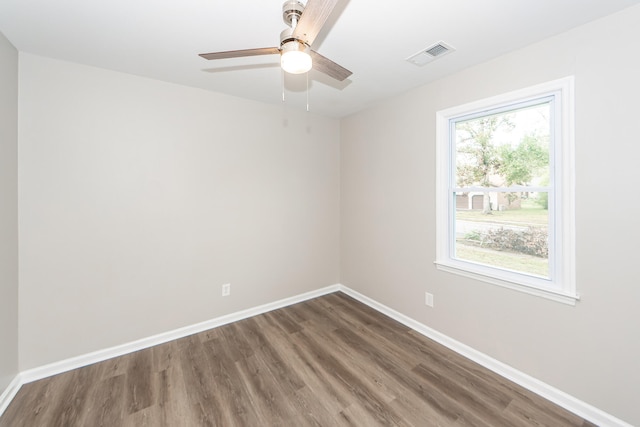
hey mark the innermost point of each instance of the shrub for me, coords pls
(532, 241)
(474, 236)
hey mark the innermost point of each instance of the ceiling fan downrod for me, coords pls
(291, 12)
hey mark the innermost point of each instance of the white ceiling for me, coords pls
(161, 39)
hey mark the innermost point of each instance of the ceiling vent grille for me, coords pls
(437, 50)
(427, 55)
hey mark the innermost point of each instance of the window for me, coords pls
(505, 190)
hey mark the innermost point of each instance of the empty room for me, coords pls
(319, 212)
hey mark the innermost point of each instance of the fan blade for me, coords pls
(240, 53)
(327, 66)
(313, 18)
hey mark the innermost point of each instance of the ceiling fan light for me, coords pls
(295, 57)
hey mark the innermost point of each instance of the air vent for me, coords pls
(437, 50)
(427, 55)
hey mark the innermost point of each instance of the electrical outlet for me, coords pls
(226, 289)
(428, 299)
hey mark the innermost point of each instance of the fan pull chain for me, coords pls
(282, 73)
(307, 92)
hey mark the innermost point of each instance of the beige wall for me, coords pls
(139, 199)
(592, 350)
(8, 212)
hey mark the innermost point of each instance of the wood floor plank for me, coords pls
(172, 401)
(198, 378)
(107, 403)
(75, 388)
(359, 415)
(114, 366)
(285, 320)
(396, 377)
(164, 356)
(288, 378)
(360, 389)
(265, 392)
(138, 387)
(31, 403)
(310, 409)
(518, 414)
(302, 362)
(236, 407)
(232, 337)
(399, 385)
(372, 374)
(251, 333)
(147, 417)
(328, 361)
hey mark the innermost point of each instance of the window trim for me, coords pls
(562, 286)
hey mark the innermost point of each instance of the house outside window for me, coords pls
(505, 190)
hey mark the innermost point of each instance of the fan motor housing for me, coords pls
(286, 36)
(292, 9)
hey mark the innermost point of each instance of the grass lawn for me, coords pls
(530, 214)
(508, 260)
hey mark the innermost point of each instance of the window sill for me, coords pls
(551, 294)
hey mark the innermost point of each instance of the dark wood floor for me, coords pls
(331, 361)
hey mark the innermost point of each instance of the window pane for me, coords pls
(504, 149)
(512, 236)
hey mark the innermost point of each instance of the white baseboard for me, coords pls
(9, 393)
(108, 353)
(560, 398)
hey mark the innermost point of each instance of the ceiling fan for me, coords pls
(296, 55)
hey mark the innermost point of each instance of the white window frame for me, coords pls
(561, 286)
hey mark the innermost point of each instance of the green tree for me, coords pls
(521, 164)
(483, 161)
(478, 156)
